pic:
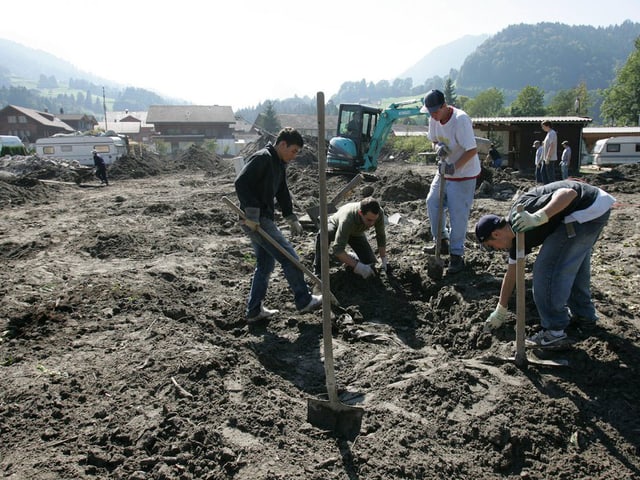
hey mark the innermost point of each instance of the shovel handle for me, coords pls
(521, 357)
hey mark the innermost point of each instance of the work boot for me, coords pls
(456, 264)
(261, 315)
(444, 247)
(314, 304)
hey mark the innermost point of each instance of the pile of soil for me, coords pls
(125, 353)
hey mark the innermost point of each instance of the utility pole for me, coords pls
(104, 105)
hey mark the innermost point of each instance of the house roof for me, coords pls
(43, 118)
(410, 130)
(512, 120)
(77, 117)
(190, 114)
(128, 116)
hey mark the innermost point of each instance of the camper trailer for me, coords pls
(79, 148)
(616, 151)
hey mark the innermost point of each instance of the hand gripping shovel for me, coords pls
(343, 420)
(290, 257)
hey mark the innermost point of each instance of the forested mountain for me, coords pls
(550, 56)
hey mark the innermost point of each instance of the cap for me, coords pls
(536, 143)
(486, 225)
(432, 101)
(565, 143)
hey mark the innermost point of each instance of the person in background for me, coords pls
(101, 167)
(538, 161)
(496, 159)
(452, 131)
(348, 226)
(263, 178)
(549, 152)
(564, 219)
(565, 160)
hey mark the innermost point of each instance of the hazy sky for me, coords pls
(242, 52)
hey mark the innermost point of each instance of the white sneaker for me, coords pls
(544, 338)
(314, 304)
(262, 314)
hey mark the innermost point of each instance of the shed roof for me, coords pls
(512, 120)
(190, 114)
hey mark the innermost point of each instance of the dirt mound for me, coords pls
(125, 353)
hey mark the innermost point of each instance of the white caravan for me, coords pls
(79, 147)
(616, 151)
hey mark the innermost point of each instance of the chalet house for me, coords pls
(29, 125)
(514, 137)
(80, 122)
(181, 126)
(130, 124)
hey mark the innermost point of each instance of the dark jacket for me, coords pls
(538, 197)
(263, 178)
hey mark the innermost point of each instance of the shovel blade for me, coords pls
(343, 420)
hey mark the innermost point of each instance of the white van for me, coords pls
(79, 148)
(616, 151)
(11, 145)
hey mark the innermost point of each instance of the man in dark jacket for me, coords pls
(565, 218)
(262, 179)
(101, 167)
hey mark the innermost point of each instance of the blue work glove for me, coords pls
(525, 221)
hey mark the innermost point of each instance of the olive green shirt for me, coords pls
(346, 223)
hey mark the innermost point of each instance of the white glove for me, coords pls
(364, 270)
(441, 150)
(383, 260)
(496, 319)
(296, 227)
(525, 221)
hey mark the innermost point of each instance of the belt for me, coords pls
(460, 179)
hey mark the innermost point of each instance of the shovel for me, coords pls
(344, 420)
(521, 359)
(435, 265)
(290, 257)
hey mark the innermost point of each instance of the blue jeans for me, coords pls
(564, 170)
(266, 256)
(458, 199)
(549, 172)
(562, 274)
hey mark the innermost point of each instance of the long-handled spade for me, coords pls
(435, 265)
(344, 420)
(521, 359)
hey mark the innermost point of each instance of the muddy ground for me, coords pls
(125, 354)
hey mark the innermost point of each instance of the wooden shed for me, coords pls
(514, 137)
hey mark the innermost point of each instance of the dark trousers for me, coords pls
(358, 243)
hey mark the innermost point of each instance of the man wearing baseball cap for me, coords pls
(565, 219)
(451, 131)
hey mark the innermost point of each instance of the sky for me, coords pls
(244, 52)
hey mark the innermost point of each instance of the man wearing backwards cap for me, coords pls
(452, 131)
(565, 218)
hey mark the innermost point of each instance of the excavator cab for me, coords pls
(348, 150)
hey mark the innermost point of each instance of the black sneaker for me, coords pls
(456, 264)
(584, 323)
